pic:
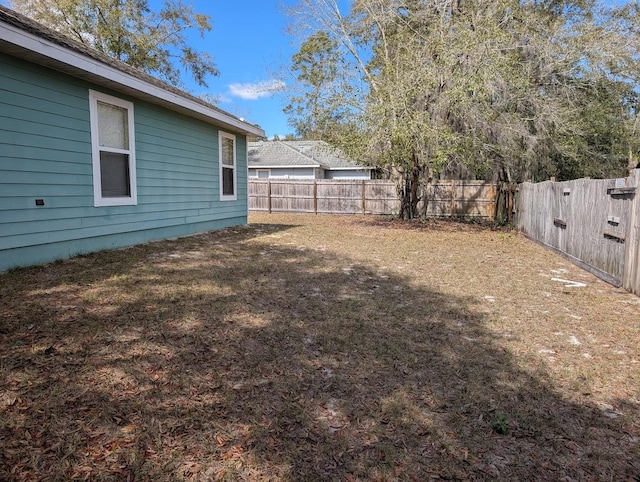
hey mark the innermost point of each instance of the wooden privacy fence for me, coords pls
(474, 199)
(323, 196)
(594, 223)
(330, 196)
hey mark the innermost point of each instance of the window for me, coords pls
(228, 182)
(113, 150)
(263, 174)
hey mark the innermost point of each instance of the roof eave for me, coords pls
(28, 46)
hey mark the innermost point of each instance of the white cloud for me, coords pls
(257, 90)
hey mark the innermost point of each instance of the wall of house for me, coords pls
(45, 153)
(348, 174)
(286, 173)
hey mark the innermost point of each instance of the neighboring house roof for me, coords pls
(275, 154)
(24, 38)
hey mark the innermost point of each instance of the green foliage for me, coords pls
(500, 423)
(317, 106)
(505, 89)
(130, 31)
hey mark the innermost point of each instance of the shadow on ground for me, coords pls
(218, 357)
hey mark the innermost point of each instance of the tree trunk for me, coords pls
(405, 198)
(425, 187)
(415, 185)
(410, 191)
(633, 162)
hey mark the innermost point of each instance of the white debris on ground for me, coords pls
(569, 283)
(331, 416)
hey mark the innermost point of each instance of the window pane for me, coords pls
(263, 174)
(113, 126)
(227, 151)
(227, 182)
(114, 174)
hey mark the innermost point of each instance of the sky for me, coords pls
(250, 47)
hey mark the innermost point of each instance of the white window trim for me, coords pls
(98, 200)
(258, 171)
(223, 135)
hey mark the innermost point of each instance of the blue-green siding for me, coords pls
(45, 153)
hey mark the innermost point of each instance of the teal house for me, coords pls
(97, 155)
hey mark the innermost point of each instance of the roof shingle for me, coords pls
(299, 153)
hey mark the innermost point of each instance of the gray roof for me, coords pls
(25, 24)
(277, 153)
(299, 153)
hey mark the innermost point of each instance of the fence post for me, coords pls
(269, 195)
(454, 195)
(496, 189)
(364, 200)
(511, 195)
(315, 196)
(631, 274)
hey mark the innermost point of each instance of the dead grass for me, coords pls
(319, 348)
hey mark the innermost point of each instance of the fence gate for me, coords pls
(592, 222)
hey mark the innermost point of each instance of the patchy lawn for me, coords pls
(319, 348)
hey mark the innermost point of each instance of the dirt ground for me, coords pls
(320, 348)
